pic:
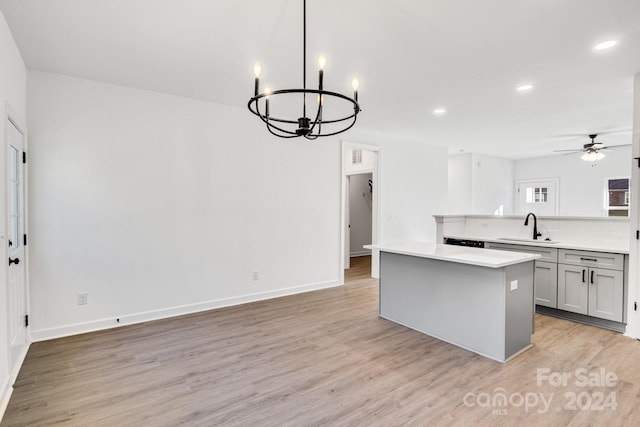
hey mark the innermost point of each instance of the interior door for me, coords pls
(539, 197)
(16, 272)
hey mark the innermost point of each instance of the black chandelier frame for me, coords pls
(307, 128)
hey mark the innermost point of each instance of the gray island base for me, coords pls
(479, 299)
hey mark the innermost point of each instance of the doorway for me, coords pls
(360, 213)
(360, 174)
(16, 273)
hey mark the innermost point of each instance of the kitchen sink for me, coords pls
(515, 239)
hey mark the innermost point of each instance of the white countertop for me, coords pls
(464, 255)
(603, 246)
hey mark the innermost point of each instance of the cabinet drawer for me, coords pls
(591, 259)
(546, 254)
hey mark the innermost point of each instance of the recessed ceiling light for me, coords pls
(524, 87)
(605, 45)
(439, 111)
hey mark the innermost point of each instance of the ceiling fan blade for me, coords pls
(613, 147)
(571, 151)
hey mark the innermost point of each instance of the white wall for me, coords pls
(12, 89)
(156, 204)
(360, 213)
(459, 184)
(413, 187)
(492, 181)
(581, 191)
(633, 323)
(479, 184)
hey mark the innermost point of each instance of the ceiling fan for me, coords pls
(591, 151)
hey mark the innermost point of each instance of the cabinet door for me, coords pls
(546, 283)
(606, 294)
(573, 288)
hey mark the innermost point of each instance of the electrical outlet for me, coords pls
(514, 285)
(255, 275)
(83, 298)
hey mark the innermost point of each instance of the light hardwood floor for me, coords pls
(320, 358)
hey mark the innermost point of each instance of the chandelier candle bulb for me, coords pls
(322, 62)
(257, 70)
(267, 92)
(355, 84)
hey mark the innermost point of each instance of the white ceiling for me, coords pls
(411, 56)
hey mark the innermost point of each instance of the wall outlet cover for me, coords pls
(514, 285)
(83, 298)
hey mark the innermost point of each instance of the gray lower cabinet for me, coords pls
(606, 294)
(573, 291)
(545, 282)
(586, 289)
(583, 282)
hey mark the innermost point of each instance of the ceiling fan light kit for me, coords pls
(592, 156)
(304, 126)
(591, 151)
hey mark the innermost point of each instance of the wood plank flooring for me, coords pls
(320, 358)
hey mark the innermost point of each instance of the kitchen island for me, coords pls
(477, 299)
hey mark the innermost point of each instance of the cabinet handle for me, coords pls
(588, 259)
(583, 271)
(592, 276)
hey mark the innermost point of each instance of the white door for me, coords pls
(16, 280)
(539, 197)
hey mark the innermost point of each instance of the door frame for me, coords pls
(375, 211)
(10, 117)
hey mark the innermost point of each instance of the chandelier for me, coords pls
(309, 127)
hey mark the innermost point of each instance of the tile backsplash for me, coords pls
(595, 232)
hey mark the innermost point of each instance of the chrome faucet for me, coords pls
(535, 225)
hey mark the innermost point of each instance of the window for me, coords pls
(537, 195)
(617, 197)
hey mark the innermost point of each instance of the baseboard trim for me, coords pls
(580, 318)
(7, 390)
(360, 253)
(130, 319)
